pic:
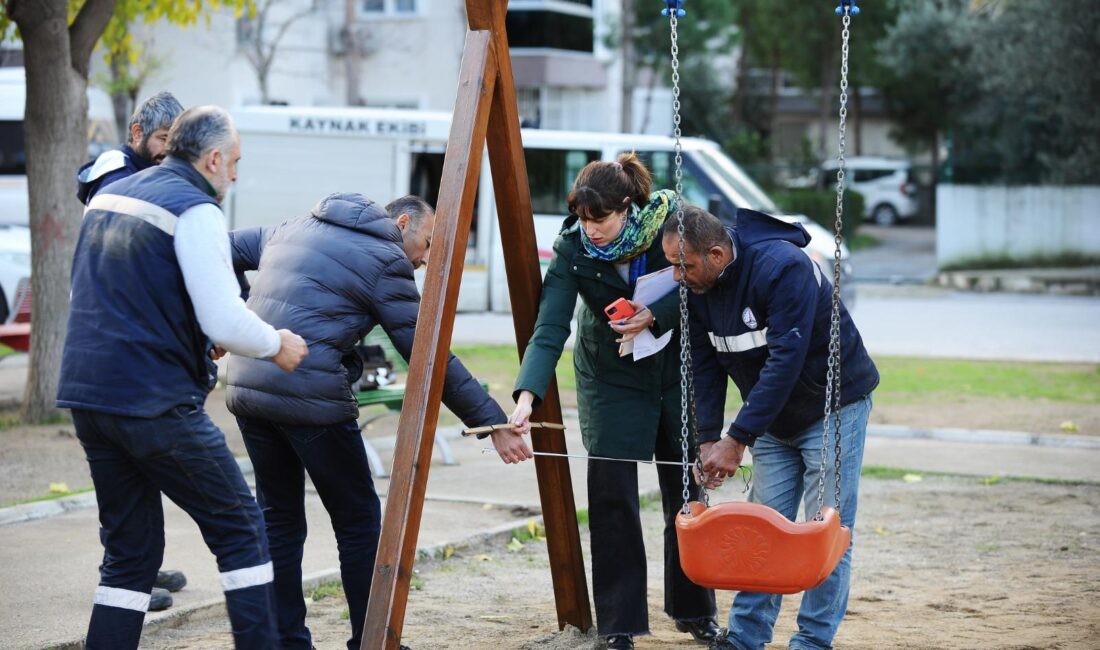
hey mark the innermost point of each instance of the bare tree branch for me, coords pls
(86, 30)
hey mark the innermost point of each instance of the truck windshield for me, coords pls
(725, 169)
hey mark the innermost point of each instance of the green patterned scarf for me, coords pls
(639, 231)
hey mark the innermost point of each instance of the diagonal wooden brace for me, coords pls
(486, 87)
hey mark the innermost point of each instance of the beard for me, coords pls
(143, 150)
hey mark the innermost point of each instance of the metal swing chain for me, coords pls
(832, 381)
(687, 397)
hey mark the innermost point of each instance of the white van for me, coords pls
(293, 156)
(15, 238)
(888, 190)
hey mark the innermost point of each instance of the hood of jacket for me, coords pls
(754, 227)
(357, 212)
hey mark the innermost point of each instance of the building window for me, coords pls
(392, 7)
(549, 29)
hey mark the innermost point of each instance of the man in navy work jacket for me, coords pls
(146, 145)
(760, 315)
(152, 286)
(333, 276)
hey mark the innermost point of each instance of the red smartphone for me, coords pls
(619, 310)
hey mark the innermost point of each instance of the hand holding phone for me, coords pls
(619, 310)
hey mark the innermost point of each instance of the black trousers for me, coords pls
(618, 547)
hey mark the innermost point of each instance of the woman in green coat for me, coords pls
(628, 409)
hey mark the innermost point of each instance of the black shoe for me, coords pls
(620, 642)
(704, 630)
(159, 600)
(721, 641)
(171, 580)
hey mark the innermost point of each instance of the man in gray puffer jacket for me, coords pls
(331, 277)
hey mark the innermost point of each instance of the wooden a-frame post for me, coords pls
(485, 88)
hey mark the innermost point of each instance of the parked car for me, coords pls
(886, 184)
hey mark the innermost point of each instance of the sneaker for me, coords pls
(159, 600)
(171, 580)
(620, 642)
(721, 641)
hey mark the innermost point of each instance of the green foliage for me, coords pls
(333, 589)
(1011, 87)
(1037, 86)
(821, 207)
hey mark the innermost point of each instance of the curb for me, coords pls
(180, 615)
(984, 436)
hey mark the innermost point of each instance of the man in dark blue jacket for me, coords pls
(153, 297)
(333, 276)
(146, 145)
(760, 315)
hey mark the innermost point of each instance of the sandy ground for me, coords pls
(939, 563)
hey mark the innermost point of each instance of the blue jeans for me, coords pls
(182, 454)
(336, 461)
(784, 471)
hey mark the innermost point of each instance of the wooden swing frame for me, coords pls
(486, 89)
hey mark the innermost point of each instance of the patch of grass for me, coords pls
(325, 590)
(10, 418)
(886, 473)
(531, 532)
(1070, 259)
(989, 548)
(582, 517)
(862, 241)
(48, 497)
(416, 583)
(906, 380)
(899, 474)
(650, 501)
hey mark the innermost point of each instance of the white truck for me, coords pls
(293, 156)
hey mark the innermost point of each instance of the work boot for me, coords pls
(159, 600)
(173, 581)
(620, 642)
(703, 630)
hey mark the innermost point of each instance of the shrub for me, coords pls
(821, 207)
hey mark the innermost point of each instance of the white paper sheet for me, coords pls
(648, 290)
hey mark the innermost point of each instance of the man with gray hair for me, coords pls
(154, 302)
(146, 144)
(333, 276)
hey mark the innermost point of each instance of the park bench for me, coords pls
(391, 397)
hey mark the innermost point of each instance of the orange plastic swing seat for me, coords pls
(742, 546)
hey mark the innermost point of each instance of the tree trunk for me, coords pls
(740, 93)
(857, 119)
(828, 83)
(630, 71)
(351, 55)
(935, 173)
(55, 126)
